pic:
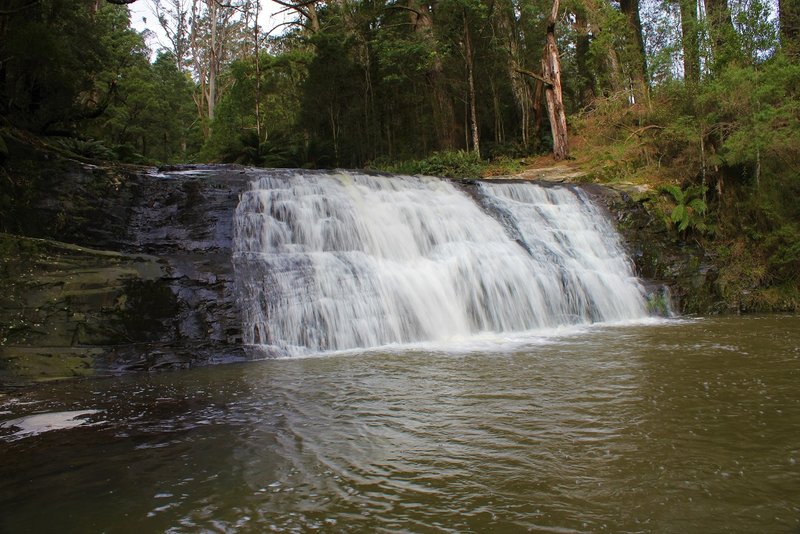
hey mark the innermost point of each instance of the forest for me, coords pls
(698, 100)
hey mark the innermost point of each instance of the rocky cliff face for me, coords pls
(111, 269)
(108, 269)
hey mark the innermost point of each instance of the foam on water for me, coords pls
(35, 424)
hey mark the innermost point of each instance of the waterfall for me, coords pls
(342, 260)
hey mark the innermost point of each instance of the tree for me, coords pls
(174, 126)
(469, 61)
(174, 18)
(307, 10)
(789, 18)
(551, 70)
(51, 54)
(722, 34)
(586, 77)
(215, 31)
(638, 67)
(511, 43)
(690, 40)
(421, 19)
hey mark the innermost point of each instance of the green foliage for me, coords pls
(452, 164)
(758, 113)
(690, 207)
(76, 68)
(152, 118)
(784, 248)
(502, 166)
(55, 53)
(658, 303)
(87, 148)
(235, 131)
(736, 130)
(758, 30)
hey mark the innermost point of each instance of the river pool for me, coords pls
(673, 426)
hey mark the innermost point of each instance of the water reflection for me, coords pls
(687, 426)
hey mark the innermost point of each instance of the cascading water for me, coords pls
(346, 260)
(572, 246)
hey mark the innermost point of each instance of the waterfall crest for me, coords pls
(342, 260)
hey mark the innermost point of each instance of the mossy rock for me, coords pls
(46, 363)
(61, 299)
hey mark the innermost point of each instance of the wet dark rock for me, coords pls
(109, 269)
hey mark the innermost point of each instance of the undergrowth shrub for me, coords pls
(450, 164)
(87, 148)
(736, 133)
(689, 209)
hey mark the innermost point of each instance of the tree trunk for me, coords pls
(582, 42)
(639, 60)
(506, 27)
(614, 71)
(313, 18)
(175, 21)
(499, 130)
(689, 40)
(537, 108)
(789, 18)
(724, 39)
(306, 9)
(608, 69)
(551, 69)
(473, 113)
(211, 101)
(256, 52)
(200, 67)
(444, 116)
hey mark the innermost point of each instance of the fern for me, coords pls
(690, 208)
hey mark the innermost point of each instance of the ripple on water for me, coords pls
(620, 428)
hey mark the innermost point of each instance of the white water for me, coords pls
(345, 260)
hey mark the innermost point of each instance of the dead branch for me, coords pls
(535, 76)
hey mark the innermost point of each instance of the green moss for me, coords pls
(41, 364)
(658, 303)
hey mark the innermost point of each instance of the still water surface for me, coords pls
(684, 426)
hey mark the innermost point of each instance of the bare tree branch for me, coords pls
(405, 8)
(535, 76)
